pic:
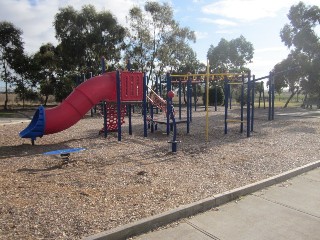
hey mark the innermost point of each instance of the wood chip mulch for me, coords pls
(112, 183)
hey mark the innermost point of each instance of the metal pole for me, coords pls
(190, 97)
(252, 100)
(226, 97)
(188, 106)
(151, 116)
(248, 104)
(157, 91)
(207, 101)
(130, 120)
(269, 97)
(144, 106)
(105, 126)
(91, 110)
(273, 97)
(242, 104)
(168, 106)
(230, 95)
(215, 95)
(118, 105)
(180, 97)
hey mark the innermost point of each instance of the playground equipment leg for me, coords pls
(226, 97)
(130, 120)
(248, 105)
(118, 106)
(144, 106)
(252, 100)
(242, 103)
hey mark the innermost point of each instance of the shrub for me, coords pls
(212, 92)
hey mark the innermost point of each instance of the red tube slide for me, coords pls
(79, 102)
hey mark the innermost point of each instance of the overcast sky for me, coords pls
(259, 21)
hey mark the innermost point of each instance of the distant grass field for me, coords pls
(15, 103)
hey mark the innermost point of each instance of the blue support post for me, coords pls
(269, 97)
(180, 97)
(252, 100)
(242, 103)
(215, 95)
(230, 95)
(273, 97)
(91, 110)
(144, 106)
(226, 97)
(105, 126)
(168, 106)
(130, 120)
(151, 116)
(194, 92)
(248, 104)
(188, 106)
(157, 91)
(189, 94)
(118, 105)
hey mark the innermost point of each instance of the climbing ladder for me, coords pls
(112, 118)
(157, 101)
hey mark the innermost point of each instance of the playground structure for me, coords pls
(118, 90)
(115, 90)
(229, 79)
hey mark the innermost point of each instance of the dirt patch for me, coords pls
(112, 183)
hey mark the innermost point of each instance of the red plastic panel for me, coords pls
(131, 86)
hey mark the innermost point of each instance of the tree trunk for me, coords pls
(6, 100)
(291, 96)
(6, 84)
(259, 98)
(46, 100)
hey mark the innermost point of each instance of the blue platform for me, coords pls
(64, 151)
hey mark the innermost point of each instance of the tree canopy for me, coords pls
(87, 35)
(155, 40)
(300, 36)
(230, 55)
(11, 49)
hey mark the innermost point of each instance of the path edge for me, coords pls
(150, 223)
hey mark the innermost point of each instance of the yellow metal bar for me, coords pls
(206, 74)
(207, 102)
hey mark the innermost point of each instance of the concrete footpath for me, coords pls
(289, 210)
(8, 121)
(286, 206)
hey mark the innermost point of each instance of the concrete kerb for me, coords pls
(151, 223)
(10, 121)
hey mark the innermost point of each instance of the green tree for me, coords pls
(188, 62)
(24, 86)
(287, 74)
(11, 49)
(87, 35)
(212, 92)
(231, 55)
(155, 40)
(46, 62)
(259, 86)
(301, 37)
